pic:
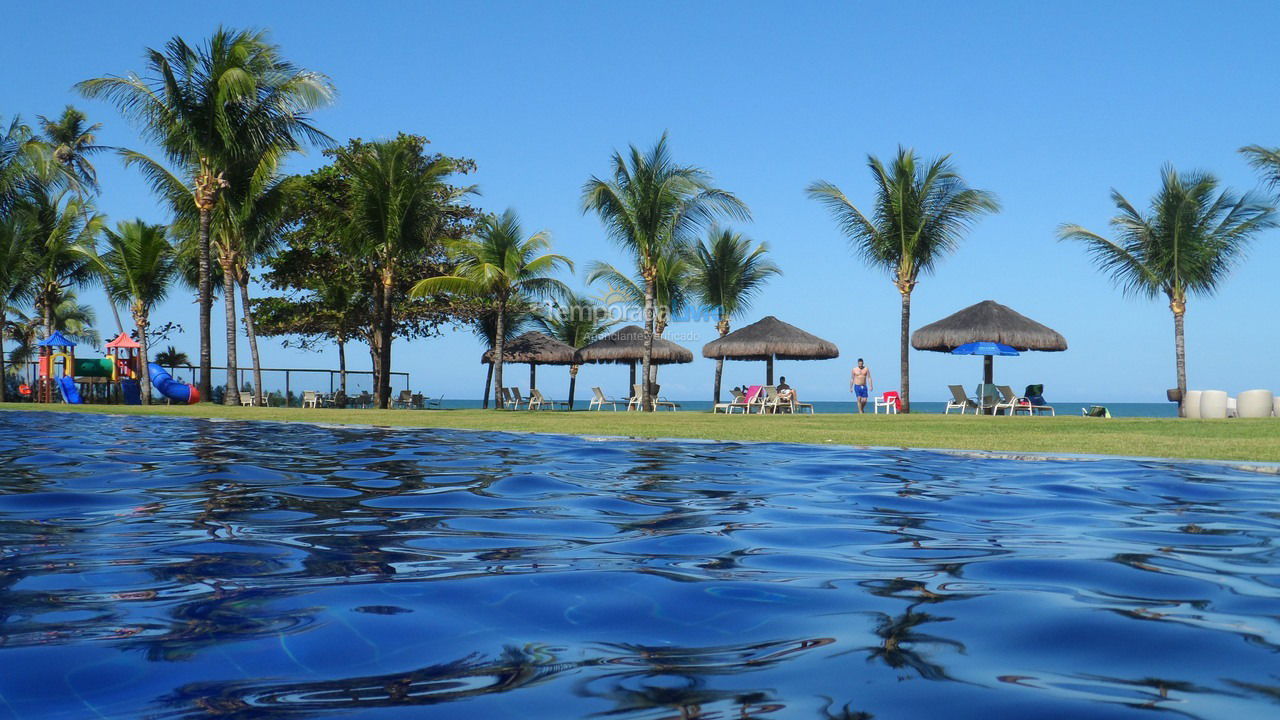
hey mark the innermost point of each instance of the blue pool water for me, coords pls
(156, 568)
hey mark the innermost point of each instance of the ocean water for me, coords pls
(822, 406)
(170, 568)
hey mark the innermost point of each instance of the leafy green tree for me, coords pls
(921, 212)
(727, 273)
(650, 205)
(137, 270)
(331, 275)
(211, 107)
(1187, 243)
(502, 265)
(74, 319)
(576, 321)
(73, 142)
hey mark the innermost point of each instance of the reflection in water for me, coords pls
(192, 569)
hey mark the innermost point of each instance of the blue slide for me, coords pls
(132, 391)
(164, 384)
(70, 393)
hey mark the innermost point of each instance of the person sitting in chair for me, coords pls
(787, 393)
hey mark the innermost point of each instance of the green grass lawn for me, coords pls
(1249, 440)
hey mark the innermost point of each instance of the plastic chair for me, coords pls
(890, 401)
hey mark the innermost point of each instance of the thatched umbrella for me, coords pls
(987, 321)
(770, 339)
(627, 346)
(536, 349)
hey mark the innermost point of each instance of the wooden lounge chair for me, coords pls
(598, 400)
(959, 401)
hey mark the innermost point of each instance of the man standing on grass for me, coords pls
(860, 384)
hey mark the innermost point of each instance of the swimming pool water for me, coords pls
(163, 568)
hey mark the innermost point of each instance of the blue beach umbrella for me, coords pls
(984, 348)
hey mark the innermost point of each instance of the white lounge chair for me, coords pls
(959, 401)
(598, 400)
(310, 398)
(537, 401)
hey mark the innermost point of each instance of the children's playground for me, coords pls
(61, 376)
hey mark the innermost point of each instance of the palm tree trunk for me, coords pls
(375, 340)
(488, 385)
(253, 338)
(573, 384)
(646, 356)
(384, 353)
(140, 320)
(498, 348)
(232, 395)
(904, 350)
(1180, 353)
(3, 376)
(205, 293)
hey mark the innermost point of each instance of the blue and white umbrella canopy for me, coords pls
(985, 348)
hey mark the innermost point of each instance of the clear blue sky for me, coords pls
(1048, 106)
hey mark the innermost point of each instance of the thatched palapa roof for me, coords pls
(987, 321)
(770, 338)
(627, 346)
(535, 348)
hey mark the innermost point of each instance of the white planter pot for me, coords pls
(1213, 404)
(1191, 404)
(1255, 404)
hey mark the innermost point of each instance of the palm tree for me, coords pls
(74, 319)
(73, 143)
(485, 327)
(171, 358)
(63, 233)
(209, 107)
(398, 196)
(576, 322)
(502, 265)
(1267, 161)
(136, 271)
(671, 285)
(650, 205)
(1186, 244)
(727, 274)
(921, 211)
(16, 261)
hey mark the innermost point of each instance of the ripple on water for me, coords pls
(188, 569)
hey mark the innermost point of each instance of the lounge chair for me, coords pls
(1034, 395)
(435, 402)
(403, 399)
(517, 399)
(537, 401)
(959, 401)
(739, 402)
(988, 398)
(1095, 411)
(310, 398)
(656, 400)
(363, 400)
(1008, 401)
(889, 401)
(754, 398)
(419, 402)
(598, 400)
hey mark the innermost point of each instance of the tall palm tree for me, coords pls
(64, 229)
(16, 264)
(396, 210)
(577, 322)
(921, 212)
(1267, 161)
(502, 265)
(671, 285)
(137, 270)
(649, 205)
(73, 143)
(485, 327)
(727, 274)
(74, 319)
(1186, 244)
(209, 107)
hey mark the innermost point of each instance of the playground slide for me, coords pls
(70, 393)
(132, 392)
(164, 384)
